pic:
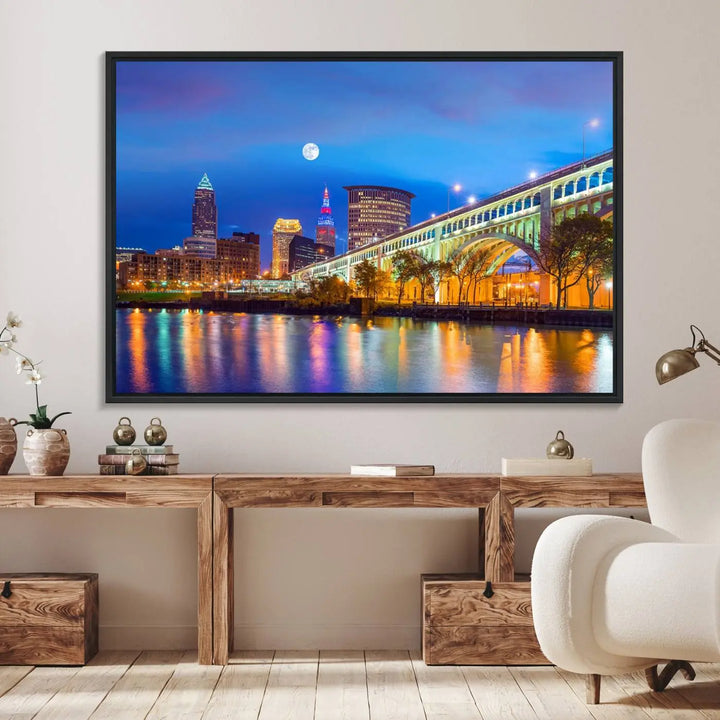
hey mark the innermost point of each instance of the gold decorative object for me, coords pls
(136, 464)
(124, 433)
(46, 451)
(8, 444)
(155, 433)
(560, 448)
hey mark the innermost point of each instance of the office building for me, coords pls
(204, 212)
(124, 254)
(204, 247)
(243, 254)
(283, 233)
(301, 253)
(325, 230)
(375, 211)
(249, 237)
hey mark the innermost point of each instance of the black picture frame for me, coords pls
(615, 58)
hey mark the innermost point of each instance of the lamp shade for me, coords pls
(675, 363)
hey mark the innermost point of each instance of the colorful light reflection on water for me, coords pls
(189, 352)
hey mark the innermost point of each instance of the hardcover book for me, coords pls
(392, 470)
(172, 459)
(144, 449)
(559, 467)
(150, 470)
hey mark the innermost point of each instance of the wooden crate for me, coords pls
(48, 618)
(463, 627)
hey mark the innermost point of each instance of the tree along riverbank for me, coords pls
(526, 314)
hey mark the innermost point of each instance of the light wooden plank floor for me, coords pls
(352, 685)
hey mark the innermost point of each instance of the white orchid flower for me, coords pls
(4, 347)
(13, 320)
(35, 377)
(23, 364)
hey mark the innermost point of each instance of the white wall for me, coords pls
(315, 578)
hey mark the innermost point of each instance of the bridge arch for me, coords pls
(497, 238)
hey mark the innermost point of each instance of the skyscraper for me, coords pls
(302, 253)
(375, 211)
(325, 230)
(283, 233)
(204, 214)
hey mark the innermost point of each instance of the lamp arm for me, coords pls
(710, 350)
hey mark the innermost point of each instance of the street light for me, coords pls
(454, 188)
(472, 199)
(532, 174)
(590, 123)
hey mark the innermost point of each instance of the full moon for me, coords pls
(310, 151)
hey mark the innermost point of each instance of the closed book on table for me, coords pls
(560, 467)
(392, 470)
(172, 459)
(144, 449)
(48, 618)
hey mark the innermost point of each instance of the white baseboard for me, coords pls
(148, 637)
(327, 637)
(266, 637)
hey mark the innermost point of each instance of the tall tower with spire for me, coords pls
(325, 230)
(204, 213)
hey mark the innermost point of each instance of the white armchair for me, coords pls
(612, 595)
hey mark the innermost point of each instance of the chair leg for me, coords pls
(592, 689)
(658, 682)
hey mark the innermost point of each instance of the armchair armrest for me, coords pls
(564, 568)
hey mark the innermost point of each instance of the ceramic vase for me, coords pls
(8, 445)
(46, 451)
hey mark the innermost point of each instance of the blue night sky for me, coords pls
(421, 126)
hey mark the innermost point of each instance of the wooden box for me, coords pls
(461, 626)
(48, 618)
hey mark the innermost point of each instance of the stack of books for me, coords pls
(160, 459)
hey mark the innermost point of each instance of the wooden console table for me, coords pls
(494, 496)
(126, 491)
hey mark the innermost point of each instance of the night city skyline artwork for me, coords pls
(268, 133)
(421, 126)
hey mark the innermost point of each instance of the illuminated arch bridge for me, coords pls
(515, 219)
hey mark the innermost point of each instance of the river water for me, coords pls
(167, 351)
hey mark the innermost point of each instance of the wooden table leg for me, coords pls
(500, 540)
(223, 585)
(481, 541)
(205, 581)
